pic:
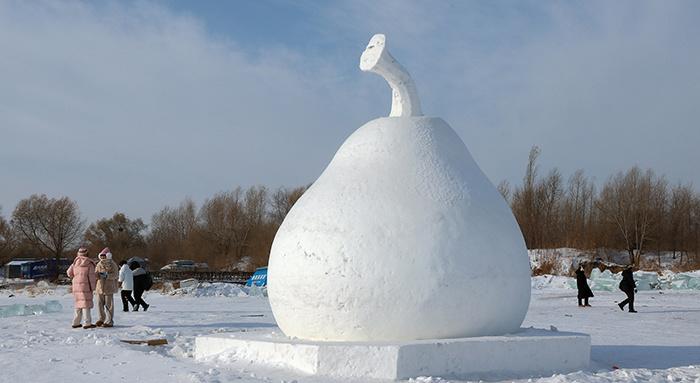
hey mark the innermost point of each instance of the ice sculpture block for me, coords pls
(402, 237)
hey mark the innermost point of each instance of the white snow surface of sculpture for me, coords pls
(399, 239)
(404, 97)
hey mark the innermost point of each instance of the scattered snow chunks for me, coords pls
(53, 307)
(35, 309)
(541, 282)
(603, 280)
(206, 289)
(7, 311)
(401, 224)
(607, 281)
(427, 379)
(186, 283)
(646, 280)
(680, 281)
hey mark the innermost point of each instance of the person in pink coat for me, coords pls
(84, 279)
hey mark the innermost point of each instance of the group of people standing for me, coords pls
(627, 285)
(103, 279)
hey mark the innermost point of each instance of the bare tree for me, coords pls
(680, 220)
(172, 230)
(7, 240)
(504, 189)
(222, 223)
(282, 201)
(124, 236)
(259, 236)
(577, 211)
(523, 202)
(549, 193)
(634, 202)
(694, 232)
(49, 224)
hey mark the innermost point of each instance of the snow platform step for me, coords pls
(528, 353)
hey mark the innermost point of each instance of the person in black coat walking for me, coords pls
(584, 292)
(141, 279)
(629, 287)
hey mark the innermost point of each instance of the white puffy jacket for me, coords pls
(126, 277)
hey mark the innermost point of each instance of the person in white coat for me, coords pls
(126, 280)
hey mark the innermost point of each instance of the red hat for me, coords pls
(105, 250)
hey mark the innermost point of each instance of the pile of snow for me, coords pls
(608, 281)
(218, 289)
(565, 258)
(32, 289)
(680, 281)
(541, 282)
(36, 309)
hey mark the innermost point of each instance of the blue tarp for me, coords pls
(259, 277)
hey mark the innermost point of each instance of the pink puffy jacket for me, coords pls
(82, 271)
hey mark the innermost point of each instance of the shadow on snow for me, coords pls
(651, 357)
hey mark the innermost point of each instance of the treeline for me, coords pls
(636, 211)
(231, 230)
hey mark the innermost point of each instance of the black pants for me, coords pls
(585, 300)
(137, 298)
(630, 299)
(126, 299)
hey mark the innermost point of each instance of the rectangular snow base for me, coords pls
(529, 353)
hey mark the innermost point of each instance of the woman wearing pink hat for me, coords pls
(82, 273)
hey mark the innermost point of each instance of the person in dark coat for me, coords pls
(629, 287)
(140, 285)
(584, 292)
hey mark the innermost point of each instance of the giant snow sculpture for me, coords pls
(402, 237)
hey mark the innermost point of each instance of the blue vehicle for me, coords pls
(259, 277)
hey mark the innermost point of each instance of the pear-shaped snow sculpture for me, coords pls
(401, 238)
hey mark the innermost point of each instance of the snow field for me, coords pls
(661, 343)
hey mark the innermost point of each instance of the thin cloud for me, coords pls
(133, 106)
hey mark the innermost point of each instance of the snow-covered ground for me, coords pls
(660, 343)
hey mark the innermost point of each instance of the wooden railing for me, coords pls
(202, 276)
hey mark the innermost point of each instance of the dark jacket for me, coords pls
(627, 284)
(582, 284)
(140, 280)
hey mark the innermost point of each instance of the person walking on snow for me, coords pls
(107, 272)
(140, 285)
(629, 287)
(82, 273)
(584, 292)
(126, 279)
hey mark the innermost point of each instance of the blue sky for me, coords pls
(131, 106)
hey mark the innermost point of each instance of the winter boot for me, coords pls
(99, 323)
(87, 326)
(145, 307)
